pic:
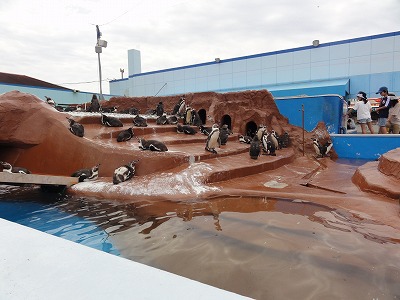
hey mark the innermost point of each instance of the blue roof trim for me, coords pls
(38, 87)
(371, 37)
(116, 80)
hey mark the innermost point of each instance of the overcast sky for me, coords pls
(54, 40)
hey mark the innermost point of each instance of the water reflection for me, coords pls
(264, 248)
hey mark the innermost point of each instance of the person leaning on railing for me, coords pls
(383, 109)
(393, 121)
(363, 108)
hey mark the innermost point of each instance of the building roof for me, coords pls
(7, 78)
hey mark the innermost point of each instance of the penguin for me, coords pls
(185, 129)
(76, 128)
(110, 121)
(224, 134)
(125, 172)
(109, 109)
(285, 140)
(274, 139)
(182, 108)
(162, 120)
(178, 105)
(326, 148)
(10, 169)
(245, 139)
(125, 135)
(152, 145)
(196, 120)
(187, 120)
(172, 120)
(267, 144)
(255, 150)
(133, 111)
(205, 130)
(50, 101)
(139, 121)
(94, 104)
(160, 109)
(261, 129)
(87, 174)
(213, 140)
(317, 147)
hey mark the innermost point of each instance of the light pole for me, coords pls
(122, 73)
(99, 45)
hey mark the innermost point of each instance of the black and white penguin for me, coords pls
(196, 120)
(267, 144)
(94, 104)
(213, 140)
(205, 130)
(255, 150)
(274, 139)
(152, 145)
(76, 128)
(125, 135)
(321, 150)
(109, 109)
(182, 108)
(162, 120)
(160, 109)
(139, 121)
(7, 167)
(224, 133)
(185, 129)
(260, 131)
(87, 174)
(125, 172)
(245, 139)
(285, 140)
(50, 101)
(133, 111)
(187, 119)
(178, 105)
(317, 147)
(110, 121)
(172, 120)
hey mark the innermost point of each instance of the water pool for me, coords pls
(259, 247)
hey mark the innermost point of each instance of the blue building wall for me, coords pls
(367, 62)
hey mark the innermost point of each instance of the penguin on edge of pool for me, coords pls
(87, 174)
(76, 128)
(110, 121)
(7, 167)
(125, 135)
(213, 140)
(125, 172)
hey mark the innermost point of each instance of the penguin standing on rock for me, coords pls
(224, 134)
(213, 140)
(160, 109)
(178, 105)
(321, 150)
(7, 167)
(50, 101)
(87, 174)
(274, 138)
(255, 150)
(260, 131)
(196, 120)
(76, 128)
(110, 121)
(124, 173)
(268, 145)
(125, 135)
(187, 120)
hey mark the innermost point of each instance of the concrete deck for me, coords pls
(36, 265)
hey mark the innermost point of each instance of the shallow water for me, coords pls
(259, 247)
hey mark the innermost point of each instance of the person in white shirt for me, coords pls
(393, 121)
(363, 108)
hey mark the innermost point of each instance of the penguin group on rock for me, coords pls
(7, 167)
(125, 172)
(110, 121)
(213, 140)
(152, 145)
(321, 150)
(76, 128)
(87, 174)
(125, 135)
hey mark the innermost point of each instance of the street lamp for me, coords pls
(98, 49)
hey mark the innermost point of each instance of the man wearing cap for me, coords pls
(383, 109)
